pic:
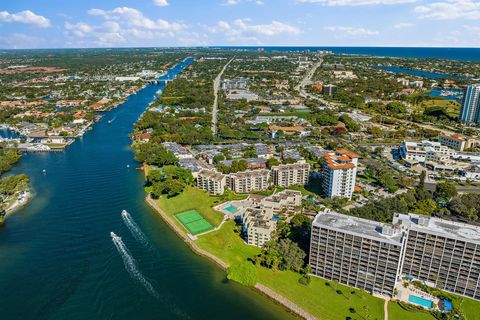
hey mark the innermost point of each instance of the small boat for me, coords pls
(128, 166)
(124, 213)
(44, 171)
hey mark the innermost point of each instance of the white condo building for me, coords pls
(338, 173)
(424, 151)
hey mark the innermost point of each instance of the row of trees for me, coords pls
(8, 157)
(290, 247)
(154, 153)
(443, 201)
(169, 180)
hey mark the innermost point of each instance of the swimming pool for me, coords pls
(230, 208)
(420, 301)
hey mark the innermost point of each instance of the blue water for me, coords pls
(420, 301)
(463, 54)
(58, 259)
(231, 209)
(457, 94)
(418, 73)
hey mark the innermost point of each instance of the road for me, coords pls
(307, 79)
(216, 87)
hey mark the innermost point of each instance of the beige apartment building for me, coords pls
(212, 181)
(247, 181)
(286, 175)
(259, 225)
(286, 199)
(457, 141)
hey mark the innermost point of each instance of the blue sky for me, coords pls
(124, 23)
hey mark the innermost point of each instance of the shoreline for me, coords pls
(260, 288)
(18, 204)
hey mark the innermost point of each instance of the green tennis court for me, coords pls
(193, 221)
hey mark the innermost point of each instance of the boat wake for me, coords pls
(131, 265)
(134, 228)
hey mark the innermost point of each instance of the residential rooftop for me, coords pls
(361, 227)
(441, 227)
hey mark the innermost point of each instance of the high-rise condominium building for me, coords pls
(338, 173)
(374, 256)
(470, 111)
(442, 253)
(357, 252)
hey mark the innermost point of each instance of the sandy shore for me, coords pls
(19, 202)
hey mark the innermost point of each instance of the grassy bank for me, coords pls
(227, 245)
(319, 298)
(395, 311)
(324, 299)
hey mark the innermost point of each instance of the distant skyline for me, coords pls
(150, 23)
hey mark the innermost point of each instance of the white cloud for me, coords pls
(123, 26)
(160, 3)
(135, 18)
(449, 10)
(403, 25)
(357, 2)
(351, 31)
(244, 28)
(26, 17)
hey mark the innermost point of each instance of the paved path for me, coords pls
(385, 309)
(216, 87)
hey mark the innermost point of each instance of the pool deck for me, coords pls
(240, 205)
(404, 293)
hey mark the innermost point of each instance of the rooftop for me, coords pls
(446, 228)
(358, 226)
(340, 159)
(211, 174)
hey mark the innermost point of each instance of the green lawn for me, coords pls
(321, 300)
(396, 312)
(451, 106)
(191, 198)
(317, 298)
(313, 188)
(227, 245)
(470, 308)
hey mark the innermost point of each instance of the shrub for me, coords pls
(305, 280)
(244, 273)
